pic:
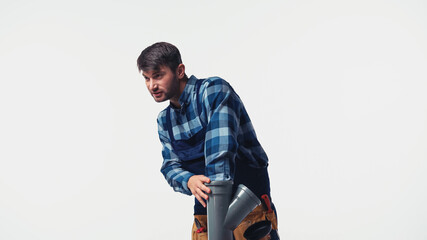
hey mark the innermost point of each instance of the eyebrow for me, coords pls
(154, 72)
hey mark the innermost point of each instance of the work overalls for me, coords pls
(191, 153)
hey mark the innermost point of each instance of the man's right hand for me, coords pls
(197, 186)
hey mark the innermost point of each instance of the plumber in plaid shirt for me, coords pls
(206, 134)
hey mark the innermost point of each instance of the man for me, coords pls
(206, 135)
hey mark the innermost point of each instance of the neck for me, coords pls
(182, 83)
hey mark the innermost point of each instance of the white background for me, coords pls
(336, 91)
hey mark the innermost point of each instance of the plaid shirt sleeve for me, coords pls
(175, 175)
(223, 109)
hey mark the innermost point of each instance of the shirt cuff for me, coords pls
(185, 184)
(220, 177)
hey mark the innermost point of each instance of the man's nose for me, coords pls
(151, 85)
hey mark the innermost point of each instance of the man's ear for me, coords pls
(180, 71)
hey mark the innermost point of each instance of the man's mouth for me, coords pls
(157, 94)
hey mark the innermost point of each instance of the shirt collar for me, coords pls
(184, 99)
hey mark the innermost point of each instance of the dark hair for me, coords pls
(157, 55)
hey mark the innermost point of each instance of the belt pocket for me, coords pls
(272, 218)
(202, 235)
(257, 215)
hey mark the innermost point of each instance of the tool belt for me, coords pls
(257, 215)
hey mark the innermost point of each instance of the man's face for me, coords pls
(162, 84)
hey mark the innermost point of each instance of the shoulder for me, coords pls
(161, 126)
(215, 81)
(217, 92)
(161, 117)
(215, 85)
(161, 120)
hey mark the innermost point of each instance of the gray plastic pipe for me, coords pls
(225, 213)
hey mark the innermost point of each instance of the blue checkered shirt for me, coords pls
(229, 133)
